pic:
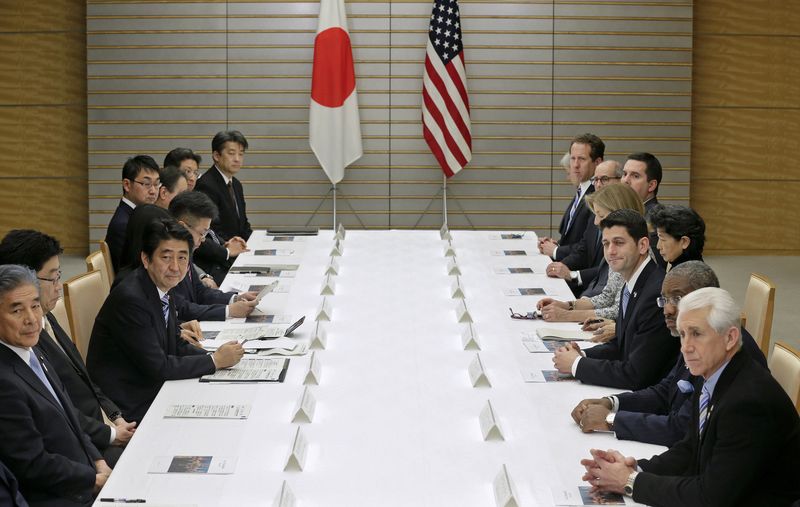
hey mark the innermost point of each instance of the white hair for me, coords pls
(565, 161)
(723, 313)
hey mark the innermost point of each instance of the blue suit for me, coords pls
(193, 300)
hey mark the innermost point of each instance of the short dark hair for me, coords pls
(135, 165)
(27, 247)
(697, 274)
(679, 221)
(193, 204)
(653, 167)
(141, 217)
(632, 221)
(227, 136)
(164, 229)
(597, 148)
(178, 155)
(170, 176)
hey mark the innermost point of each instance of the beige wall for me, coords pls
(43, 178)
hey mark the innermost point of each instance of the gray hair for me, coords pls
(565, 161)
(617, 168)
(697, 274)
(724, 312)
(13, 276)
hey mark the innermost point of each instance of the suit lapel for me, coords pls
(634, 299)
(151, 292)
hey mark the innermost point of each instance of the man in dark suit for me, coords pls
(40, 253)
(136, 343)
(140, 182)
(586, 151)
(743, 443)
(660, 413)
(195, 211)
(642, 172)
(642, 351)
(42, 444)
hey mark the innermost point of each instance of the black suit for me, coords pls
(572, 232)
(193, 300)
(648, 207)
(660, 414)
(84, 394)
(230, 223)
(42, 443)
(598, 283)
(584, 256)
(643, 351)
(9, 489)
(115, 234)
(132, 352)
(212, 257)
(747, 455)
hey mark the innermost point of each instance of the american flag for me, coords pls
(445, 104)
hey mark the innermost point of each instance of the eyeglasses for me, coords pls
(202, 233)
(604, 179)
(662, 301)
(51, 280)
(536, 314)
(149, 185)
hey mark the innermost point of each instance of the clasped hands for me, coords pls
(564, 357)
(608, 470)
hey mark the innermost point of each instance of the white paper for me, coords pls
(452, 268)
(314, 371)
(319, 339)
(583, 495)
(325, 312)
(534, 344)
(328, 286)
(304, 411)
(469, 338)
(477, 375)
(532, 375)
(244, 333)
(333, 267)
(215, 465)
(509, 253)
(203, 411)
(251, 369)
(456, 290)
(337, 249)
(569, 335)
(300, 349)
(489, 425)
(512, 270)
(287, 239)
(462, 313)
(504, 495)
(449, 251)
(297, 453)
(285, 497)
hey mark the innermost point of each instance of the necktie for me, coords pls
(49, 330)
(36, 366)
(233, 196)
(626, 295)
(704, 399)
(214, 237)
(165, 308)
(574, 207)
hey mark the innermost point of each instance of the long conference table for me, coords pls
(396, 420)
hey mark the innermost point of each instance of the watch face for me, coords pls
(628, 490)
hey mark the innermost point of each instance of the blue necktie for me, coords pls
(704, 399)
(626, 295)
(165, 308)
(36, 366)
(572, 209)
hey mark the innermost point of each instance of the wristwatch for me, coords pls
(573, 275)
(610, 420)
(571, 305)
(628, 489)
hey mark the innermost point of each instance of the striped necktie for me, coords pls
(626, 295)
(165, 308)
(704, 399)
(574, 207)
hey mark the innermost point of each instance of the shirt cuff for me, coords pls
(554, 253)
(578, 279)
(227, 254)
(113, 434)
(575, 366)
(614, 403)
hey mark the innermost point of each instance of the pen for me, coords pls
(124, 500)
(592, 321)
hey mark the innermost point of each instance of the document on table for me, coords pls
(208, 411)
(273, 252)
(513, 253)
(525, 291)
(575, 335)
(258, 369)
(541, 376)
(247, 333)
(193, 465)
(499, 270)
(583, 495)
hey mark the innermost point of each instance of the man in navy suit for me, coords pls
(40, 253)
(642, 172)
(42, 444)
(136, 344)
(660, 413)
(140, 182)
(743, 443)
(642, 351)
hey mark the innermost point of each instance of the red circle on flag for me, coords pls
(333, 79)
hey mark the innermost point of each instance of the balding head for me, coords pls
(607, 173)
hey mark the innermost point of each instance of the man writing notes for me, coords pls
(42, 442)
(642, 351)
(586, 151)
(659, 414)
(743, 443)
(136, 343)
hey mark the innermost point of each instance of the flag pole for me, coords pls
(444, 199)
(334, 206)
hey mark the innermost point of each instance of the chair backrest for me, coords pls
(83, 299)
(109, 265)
(785, 367)
(60, 313)
(96, 261)
(759, 305)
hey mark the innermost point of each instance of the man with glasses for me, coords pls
(187, 161)
(140, 183)
(659, 414)
(195, 301)
(40, 253)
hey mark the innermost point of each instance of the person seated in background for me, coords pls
(642, 351)
(40, 253)
(135, 344)
(195, 211)
(140, 182)
(43, 444)
(681, 233)
(659, 414)
(173, 182)
(643, 172)
(187, 161)
(743, 442)
(132, 250)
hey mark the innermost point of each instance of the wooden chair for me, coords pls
(60, 313)
(83, 299)
(96, 261)
(759, 305)
(785, 367)
(109, 266)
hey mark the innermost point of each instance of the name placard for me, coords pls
(328, 286)
(325, 312)
(449, 251)
(477, 375)
(462, 314)
(285, 497)
(456, 290)
(297, 453)
(319, 340)
(444, 233)
(337, 249)
(304, 411)
(490, 427)
(452, 268)
(504, 491)
(340, 232)
(333, 267)
(314, 372)
(469, 338)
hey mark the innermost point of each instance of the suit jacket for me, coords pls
(584, 256)
(193, 300)
(229, 223)
(132, 352)
(84, 394)
(212, 257)
(598, 283)
(115, 234)
(42, 443)
(575, 231)
(9, 489)
(643, 351)
(748, 453)
(648, 207)
(660, 414)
